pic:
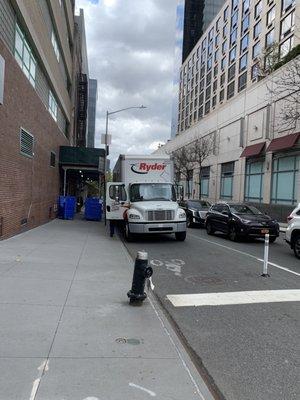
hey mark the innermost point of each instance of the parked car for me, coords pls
(240, 220)
(196, 211)
(292, 235)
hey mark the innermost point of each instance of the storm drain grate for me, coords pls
(132, 341)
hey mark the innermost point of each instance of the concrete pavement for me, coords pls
(67, 330)
(250, 350)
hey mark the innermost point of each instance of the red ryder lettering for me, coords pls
(153, 167)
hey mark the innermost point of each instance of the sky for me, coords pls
(131, 48)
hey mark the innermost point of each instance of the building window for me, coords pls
(209, 63)
(227, 173)
(255, 71)
(234, 4)
(204, 181)
(271, 15)
(218, 24)
(225, 15)
(231, 73)
(215, 85)
(52, 106)
(243, 62)
(254, 181)
(222, 94)
(217, 54)
(270, 38)
(55, 45)
(258, 9)
(246, 5)
(223, 63)
(244, 43)
(287, 25)
(214, 101)
(225, 31)
(284, 180)
(200, 112)
(245, 23)
(234, 19)
(256, 50)
(286, 46)
(222, 79)
(208, 92)
(242, 81)
(287, 4)
(207, 107)
(257, 30)
(26, 143)
(217, 40)
(224, 46)
(233, 36)
(52, 159)
(211, 34)
(209, 49)
(230, 90)
(24, 56)
(232, 55)
(215, 70)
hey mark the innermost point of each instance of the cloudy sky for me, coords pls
(131, 47)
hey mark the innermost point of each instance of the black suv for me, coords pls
(195, 210)
(240, 220)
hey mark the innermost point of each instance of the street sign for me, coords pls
(103, 139)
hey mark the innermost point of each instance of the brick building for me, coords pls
(40, 72)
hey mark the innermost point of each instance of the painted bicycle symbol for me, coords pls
(175, 265)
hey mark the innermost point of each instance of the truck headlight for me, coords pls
(134, 216)
(182, 214)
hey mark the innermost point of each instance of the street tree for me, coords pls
(286, 86)
(201, 149)
(183, 163)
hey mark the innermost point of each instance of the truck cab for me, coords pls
(144, 201)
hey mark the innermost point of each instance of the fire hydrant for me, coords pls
(141, 272)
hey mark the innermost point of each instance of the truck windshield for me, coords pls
(152, 191)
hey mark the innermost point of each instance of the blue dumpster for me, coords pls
(66, 207)
(93, 209)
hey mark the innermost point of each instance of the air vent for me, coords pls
(26, 143)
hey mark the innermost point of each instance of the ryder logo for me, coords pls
(144, 168)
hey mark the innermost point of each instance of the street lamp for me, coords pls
(108, 113)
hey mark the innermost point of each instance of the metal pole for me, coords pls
(65, 180)
(105, 168)
(266, 256)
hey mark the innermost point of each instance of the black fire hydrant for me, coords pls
(141, 272)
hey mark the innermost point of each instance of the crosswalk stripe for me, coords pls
(233, 298)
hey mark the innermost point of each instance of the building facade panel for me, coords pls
(28, 186)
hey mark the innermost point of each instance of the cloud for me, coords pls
(131, 45)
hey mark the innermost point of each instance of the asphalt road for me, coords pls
(245, 351)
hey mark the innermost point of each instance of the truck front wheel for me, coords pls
(128, 235)
(180, 236)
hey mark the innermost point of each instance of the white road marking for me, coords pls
(151, 283)
(152, 394)
(43, 367)
(244, 253)
(91, 398)
(234, 298)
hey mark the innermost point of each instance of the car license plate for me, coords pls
(264, 231)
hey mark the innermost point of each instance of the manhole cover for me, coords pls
(212, 280)
(128, 341)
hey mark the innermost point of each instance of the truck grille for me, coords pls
(160, 215)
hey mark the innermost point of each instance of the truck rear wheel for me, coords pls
(180, 236)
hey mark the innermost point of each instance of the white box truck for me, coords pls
(143, 197)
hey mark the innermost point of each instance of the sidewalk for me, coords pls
(67, 330)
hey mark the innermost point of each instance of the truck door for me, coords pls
(116, 197)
